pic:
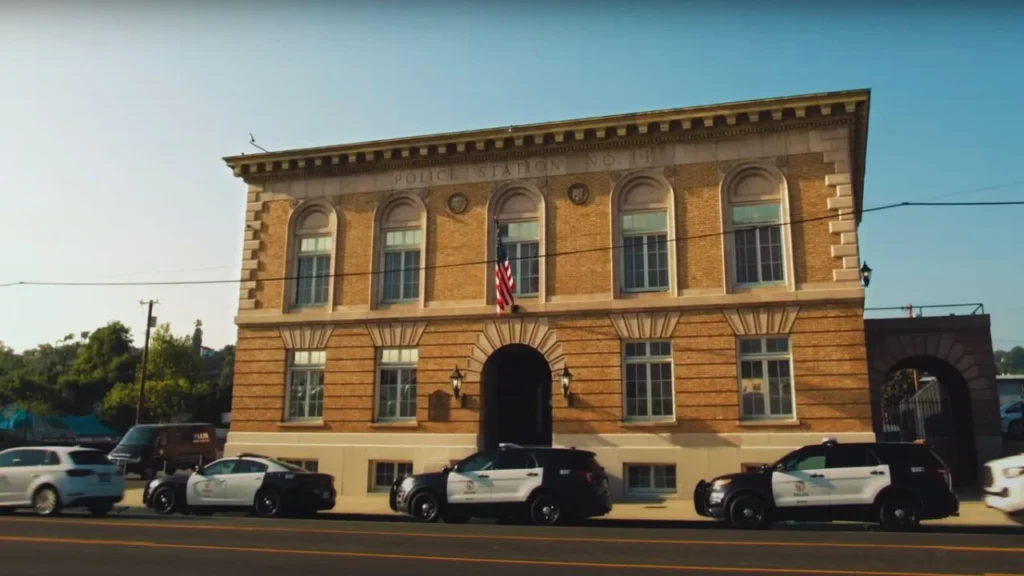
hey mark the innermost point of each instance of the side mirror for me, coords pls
(198, 469)
(447, 468)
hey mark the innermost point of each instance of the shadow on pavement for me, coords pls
(137, 515)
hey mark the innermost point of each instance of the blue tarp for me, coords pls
(85, 426)
(15, 420)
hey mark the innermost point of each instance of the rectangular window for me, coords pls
(645, 251)
(758, 232)
(306, 385)
(385, 474)
(766, 386)
(650, 478)
(396, 390)
(307, 465)
(313, 269)
(649, 381)
(522, 242)
(401, 265)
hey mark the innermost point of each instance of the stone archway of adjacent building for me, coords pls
(937, 409)
(959, 414)
(514, 362)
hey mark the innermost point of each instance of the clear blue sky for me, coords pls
(113, 124)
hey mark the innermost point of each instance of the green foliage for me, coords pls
(99, 372)
(1010, 361)
(899, 387)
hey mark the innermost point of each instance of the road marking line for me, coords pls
(283, 530)
(418, 557)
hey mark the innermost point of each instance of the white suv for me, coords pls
(1003, 483)
(48, 479)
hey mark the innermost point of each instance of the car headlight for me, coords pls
(407, 483)
(720, 483)
(153, 483)
(1014, 472)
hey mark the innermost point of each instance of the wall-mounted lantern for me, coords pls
(865, 274)
(457, 378)
(566, 379)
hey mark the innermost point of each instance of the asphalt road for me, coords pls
(240, 546)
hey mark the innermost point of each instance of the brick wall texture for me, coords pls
(829, 368)
(829, 362)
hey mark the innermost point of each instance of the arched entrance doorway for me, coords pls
(925, 398)
(515, 384)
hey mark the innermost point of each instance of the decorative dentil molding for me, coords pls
(645, 325)
(396, 334)
(763, 321)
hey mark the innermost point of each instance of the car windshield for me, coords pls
(290, 467)
(138, 436)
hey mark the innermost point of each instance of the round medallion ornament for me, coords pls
(457, 203)
(578, 193)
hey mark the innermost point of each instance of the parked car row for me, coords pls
(894, 484)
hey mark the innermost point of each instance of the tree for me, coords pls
(1009, 361)
(174, 387)
(898, 388)
(106, 359)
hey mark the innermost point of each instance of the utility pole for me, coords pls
(150, 322)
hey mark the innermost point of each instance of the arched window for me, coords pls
(645, 232)
(313, 249)
(755, 205)
(401, 242)
(519, 211)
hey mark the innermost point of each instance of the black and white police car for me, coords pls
(894, 484)
(546, 485)
(249, 482)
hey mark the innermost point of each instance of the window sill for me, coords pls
(302, 424)
(649, 424)
(768, 423)
(395, 424)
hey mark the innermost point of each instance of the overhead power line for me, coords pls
(830, 216)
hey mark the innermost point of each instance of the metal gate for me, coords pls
(928, 416)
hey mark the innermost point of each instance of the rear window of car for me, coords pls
(89, 458)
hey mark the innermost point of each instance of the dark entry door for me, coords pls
(516, 398)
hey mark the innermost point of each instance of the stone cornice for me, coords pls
(693, 123)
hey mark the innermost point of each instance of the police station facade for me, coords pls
(688, 300)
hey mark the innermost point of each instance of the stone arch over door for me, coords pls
(533, 332)
(958, 350)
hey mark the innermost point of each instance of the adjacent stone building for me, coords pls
(694, 270)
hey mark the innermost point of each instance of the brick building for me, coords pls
(712, 336)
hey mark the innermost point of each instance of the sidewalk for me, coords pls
(972, 512)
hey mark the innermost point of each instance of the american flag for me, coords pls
(504, 283)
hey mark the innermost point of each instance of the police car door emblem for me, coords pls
(801, 489)
(469, 486)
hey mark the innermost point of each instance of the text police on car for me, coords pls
(547, 485)
(263, 485)
(895, 484)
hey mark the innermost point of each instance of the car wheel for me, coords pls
(899, 513)
(546, 510)
(164, 501)
(1016, 429)
(46, 502)
(100, 509)
(268, 503)
(748, 511)
(425, 507)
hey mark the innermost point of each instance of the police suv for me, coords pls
(548, 486)
(894, 484)
(251, 482)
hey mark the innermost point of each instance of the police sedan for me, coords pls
(249, 482)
